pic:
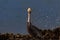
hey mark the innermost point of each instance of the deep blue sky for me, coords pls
(45, 14)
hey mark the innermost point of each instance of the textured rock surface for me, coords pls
(46, 35)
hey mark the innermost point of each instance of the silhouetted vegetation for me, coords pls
(45, 35)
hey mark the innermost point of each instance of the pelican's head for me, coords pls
(29, 10)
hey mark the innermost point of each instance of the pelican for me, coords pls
(32, 30)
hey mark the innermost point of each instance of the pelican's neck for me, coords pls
(29, 18)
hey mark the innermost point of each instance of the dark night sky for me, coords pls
(45, 14)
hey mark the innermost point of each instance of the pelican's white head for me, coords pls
(29, 10)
